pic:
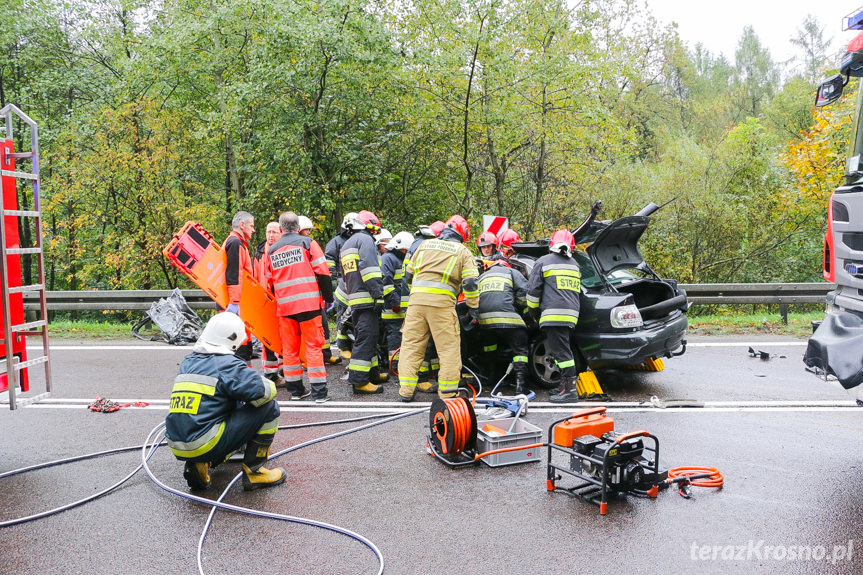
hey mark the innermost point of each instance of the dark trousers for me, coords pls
(242, 427)
(391, 338)
(364, 357)
(557, 340)
(514, 338)
(342, 339)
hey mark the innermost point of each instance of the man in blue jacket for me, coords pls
(219, 404)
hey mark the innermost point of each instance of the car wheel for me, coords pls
(543, 369)
(541, 365)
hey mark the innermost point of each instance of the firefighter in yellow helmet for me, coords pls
(436, 273)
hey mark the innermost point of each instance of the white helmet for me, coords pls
(349, 219)
(223, 334)
(305, 223)
(401, 241)
(383, 237)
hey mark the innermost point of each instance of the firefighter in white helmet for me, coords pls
(219, 404)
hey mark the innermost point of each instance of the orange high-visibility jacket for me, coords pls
(297, 274)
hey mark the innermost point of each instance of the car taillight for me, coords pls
(626, 316)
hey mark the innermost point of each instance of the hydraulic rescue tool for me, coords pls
(607, 463)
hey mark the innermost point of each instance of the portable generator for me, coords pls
(604, 463)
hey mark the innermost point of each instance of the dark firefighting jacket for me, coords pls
(207, 389)
(298, 276)
(502, 295)
(392, 269)
(554, 287)
(361, 270)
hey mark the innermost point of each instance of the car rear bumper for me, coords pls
(654, 339)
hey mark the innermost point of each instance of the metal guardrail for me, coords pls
(698, 294)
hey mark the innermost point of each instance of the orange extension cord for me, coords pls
(715, 479)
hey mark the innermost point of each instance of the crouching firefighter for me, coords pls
(553, 296)
(502, 292)
(219, 404)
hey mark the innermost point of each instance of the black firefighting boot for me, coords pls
(197, 475)
(569, 393)
(255, 475)
(521, 382)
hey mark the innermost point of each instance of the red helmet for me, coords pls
(506, 238)
(437, 227)
(561, 241)
(370, 221)
(459, 224)
(486, 239)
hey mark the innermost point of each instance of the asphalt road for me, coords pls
(786, 442)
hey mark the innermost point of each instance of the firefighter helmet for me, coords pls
(383, 237)
(460, 225)
(401, 241)
(223, 334)
(506, 238)
(437, 227)
(305, 223)
(348, 220)
(486, 239)
(562, 242)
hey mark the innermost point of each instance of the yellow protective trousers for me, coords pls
(441, 324)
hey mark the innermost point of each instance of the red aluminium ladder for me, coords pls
(14, 363)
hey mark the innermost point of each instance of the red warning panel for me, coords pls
(193, 251)
(13, 263)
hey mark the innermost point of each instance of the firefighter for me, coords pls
(392, 269)
(437, 272)
(219, 404)
(488, 254)
(553, 293)
(505, 241)
(271, 361)
(381, 241)
(332, 251)
(306, 226)
(502, 293)
(366, 294)
(431, 363)
(238, 260)
(299, 278)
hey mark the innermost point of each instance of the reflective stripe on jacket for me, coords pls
(294, 264)
(207, 388)
(502, 295)
(554, 287)
(439, 270)
(361, 270)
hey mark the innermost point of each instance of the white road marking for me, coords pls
(539, 407)
(759, 344)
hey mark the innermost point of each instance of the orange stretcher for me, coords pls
(193, 251)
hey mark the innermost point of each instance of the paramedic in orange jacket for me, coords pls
(298, 275)
(238, 260)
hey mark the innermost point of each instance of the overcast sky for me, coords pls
(718, 25)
